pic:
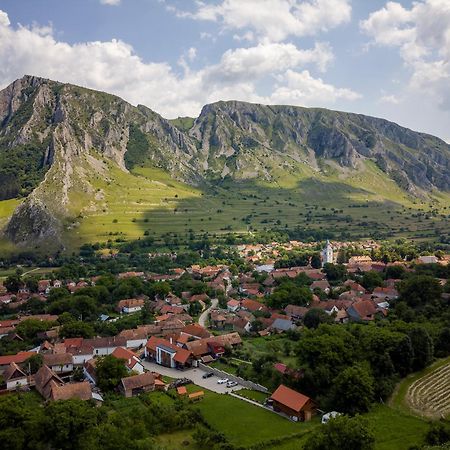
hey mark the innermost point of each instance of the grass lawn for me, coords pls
(395, 430)
(253, 395)
(246, 424)
(177, 440)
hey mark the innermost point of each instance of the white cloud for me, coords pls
(274, 20)
(192, 53)
(392, 99)
(114, 67)
(110, 2)
(422, 35)
(301, 88)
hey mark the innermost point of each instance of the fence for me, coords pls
(221, 374)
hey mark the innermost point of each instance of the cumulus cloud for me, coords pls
(300, 88)
(421, 34)
(114, 67)
(274, 20)
(392, 99)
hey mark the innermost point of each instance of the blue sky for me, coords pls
(388, 59)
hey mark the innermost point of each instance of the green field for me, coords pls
(127, 206)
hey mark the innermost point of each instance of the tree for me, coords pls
(353, 390)
(315, 316)
(340, 433)
(316, 262)
(438, 434)
(34, 363)
(77, 329)
(422, 344)
(67, 422)
(419, 290)
(335, 272)
(13, 283)
(28, 329)
(110, 371)
(371, 280)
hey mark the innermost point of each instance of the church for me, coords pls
(327, 254)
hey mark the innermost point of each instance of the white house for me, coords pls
(135, 338)
(14, 377)
(59, 362)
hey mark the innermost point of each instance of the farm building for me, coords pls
(293, 404)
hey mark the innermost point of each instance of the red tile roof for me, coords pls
(290, 398)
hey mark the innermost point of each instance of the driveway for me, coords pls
(204, 315)
(194, 374)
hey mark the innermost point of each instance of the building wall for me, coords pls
(13, 384)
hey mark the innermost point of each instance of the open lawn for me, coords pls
(244, 423)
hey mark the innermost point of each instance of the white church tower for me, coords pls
(327, 254)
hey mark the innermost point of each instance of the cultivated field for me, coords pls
(430, 395)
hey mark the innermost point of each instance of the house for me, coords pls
(293, 403)
(233, 305)
(59, 362)
(181, 391)
(135, 338)
(355, 287)
(296, 313)
(132, 361)
(356, 260)
(253, 305)
(52, 387)
(18, 358)
(14, 377)
(362, 311)
(81, 391)
(137, 384)
(105, 345)
(195, 331)
(130, 305)
(167, 354)
(385, 293)
(323, 285)
(282, 325)
(427, 259)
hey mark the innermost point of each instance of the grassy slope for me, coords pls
(149, 200)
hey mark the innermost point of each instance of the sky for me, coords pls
(386, 59)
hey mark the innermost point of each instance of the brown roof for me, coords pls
(138, 381)
(129, 335)
(196, 394)
(364, 308)
(181, 390)
(290, 398)
(196, 330)
(253, 305)
(80, 390)
(58, 359)
(43, 378)
(12, 372)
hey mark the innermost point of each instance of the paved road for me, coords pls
(204, 315)
(193, 374)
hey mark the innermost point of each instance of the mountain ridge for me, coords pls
(56, 138)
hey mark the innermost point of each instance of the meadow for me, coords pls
(148, 202)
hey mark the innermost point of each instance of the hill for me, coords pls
(78, 166)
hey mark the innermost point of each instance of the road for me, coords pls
(204, 315)
(196, 375)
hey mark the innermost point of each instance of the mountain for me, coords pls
(65, 150)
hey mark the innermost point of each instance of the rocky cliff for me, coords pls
(56, 138)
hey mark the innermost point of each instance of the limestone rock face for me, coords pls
(62, 135)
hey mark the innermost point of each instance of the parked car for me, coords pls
(207, 375)
(231, 384)
(222, 381)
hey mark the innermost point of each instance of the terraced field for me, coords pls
(430, 395)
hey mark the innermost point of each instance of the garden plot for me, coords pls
(430, 395)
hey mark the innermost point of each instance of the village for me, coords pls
(194, 328)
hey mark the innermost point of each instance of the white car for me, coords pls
(231, 384)
(222, 381)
